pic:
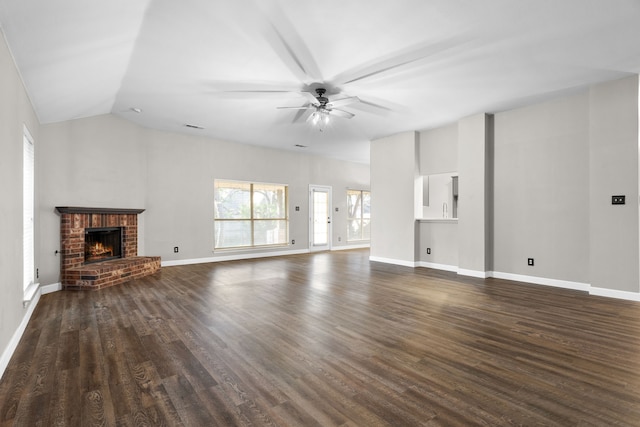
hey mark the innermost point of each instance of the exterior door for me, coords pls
(320, 218)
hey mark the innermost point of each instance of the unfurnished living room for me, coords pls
(336, 213)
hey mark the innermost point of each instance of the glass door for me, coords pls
(320, 220)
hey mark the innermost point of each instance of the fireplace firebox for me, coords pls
(102, 244)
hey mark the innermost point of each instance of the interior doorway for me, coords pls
(319, 218)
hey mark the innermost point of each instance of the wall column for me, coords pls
(613, 170)
(474, 201)
(394, 171)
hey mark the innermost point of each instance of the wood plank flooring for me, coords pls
(326, 339)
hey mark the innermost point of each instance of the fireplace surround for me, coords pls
(106, 268)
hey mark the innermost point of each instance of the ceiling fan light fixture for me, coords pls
(315, 118)
(325, 117)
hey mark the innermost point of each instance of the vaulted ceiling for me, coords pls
(226, 66)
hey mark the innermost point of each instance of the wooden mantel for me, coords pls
(83, 210)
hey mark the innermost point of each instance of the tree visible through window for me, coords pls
(250, 214)
(359, 208)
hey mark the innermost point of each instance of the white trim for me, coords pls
(474, 273)
(436, 266)
(29, 293)
(393, 261)
(441, 220)
(347, 247)
(321, 189)
(577, 286)
(612, 293)
(233, 257)
(17, 335)
(48, 289)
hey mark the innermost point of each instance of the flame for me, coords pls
(99, 250)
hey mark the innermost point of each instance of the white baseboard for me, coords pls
(17, 335)
(577, 286)
(612, 293)
(47, 289)
(231, 257)
(347, 247)
(474, 273)
(436, 266)
(393, 261)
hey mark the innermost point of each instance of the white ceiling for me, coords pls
(414, 64)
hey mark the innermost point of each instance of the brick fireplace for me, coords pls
(80, 273)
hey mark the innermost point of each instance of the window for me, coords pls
(28, 209)
(359, 221)
(250, 214)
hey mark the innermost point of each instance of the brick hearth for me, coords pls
(75, 274)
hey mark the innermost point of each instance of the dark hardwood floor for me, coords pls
(326, 339)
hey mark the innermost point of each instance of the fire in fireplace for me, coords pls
(102, 244)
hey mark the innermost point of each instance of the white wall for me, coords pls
(15, 112)
(171, 176)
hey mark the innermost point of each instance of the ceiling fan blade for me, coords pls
(341, 113)
(311, 97)
(302, 116)
(398, 59)
(252, 86)
(283, 37)
(308, 107)
(343, 101)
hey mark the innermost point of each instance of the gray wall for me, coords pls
(541, 188)
(439, 150)
(442, 239)
(108, 162)
(613, 170)
(535, 182)
(474, 208)
(438, 154)
(557, 164)
(15, 112)
(394, 171)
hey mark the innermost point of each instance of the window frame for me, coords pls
(253, 219)
(29, 278)
(361, 218)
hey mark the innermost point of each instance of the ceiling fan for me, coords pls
(322, 107)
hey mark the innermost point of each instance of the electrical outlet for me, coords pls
(530, 262)
(339, 239)
(617, 200)
(293, 242)
(175, 249)
(297, 208)
(428, 251)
